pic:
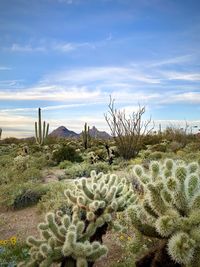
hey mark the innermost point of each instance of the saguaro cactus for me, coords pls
(76, 240)
(0, 133)
(86, 136)
(170, 211)
(41, 133)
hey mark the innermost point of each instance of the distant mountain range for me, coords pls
(62, 132)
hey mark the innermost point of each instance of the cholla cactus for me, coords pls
(170, 208)
(21, 162)
(76, 240)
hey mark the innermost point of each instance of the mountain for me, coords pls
(62, 131)
(94, 132)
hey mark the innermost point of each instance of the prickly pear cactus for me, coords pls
(76, 240)
(170, 208)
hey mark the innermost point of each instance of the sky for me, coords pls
(69, 56)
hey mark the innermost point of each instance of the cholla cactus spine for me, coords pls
(170, 208)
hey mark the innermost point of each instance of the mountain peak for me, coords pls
(62, 131)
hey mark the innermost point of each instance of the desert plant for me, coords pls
(76, 240)
(84, 169)
(41, 133)
(86, 136)
(169, 210)
(0, 133)
(66, 152)
(128, 132)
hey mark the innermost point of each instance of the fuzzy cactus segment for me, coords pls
(76, 239)
(169, 208)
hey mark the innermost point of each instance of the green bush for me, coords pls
(17, 196)
(84, 169)
(65, 164)
(54, 199)
(156, 155)
(11, 255)
(66, 153)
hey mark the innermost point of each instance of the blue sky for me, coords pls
(68, 56)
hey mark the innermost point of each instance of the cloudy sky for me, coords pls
(68, 56)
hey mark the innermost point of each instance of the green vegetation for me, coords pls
(84, 191)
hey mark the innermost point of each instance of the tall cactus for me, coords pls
(0, 133)
(86, 136)
(41, 133)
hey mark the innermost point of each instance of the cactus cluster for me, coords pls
(41, 131)
(75, 240)
(86, 136)
(170, 208)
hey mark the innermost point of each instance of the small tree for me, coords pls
(128, 132)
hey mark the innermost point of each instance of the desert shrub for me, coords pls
(11, 255)
(65, 164)
(155, 155)
(84, 169)
(128, 131)
(5, 161)
(54, 199)
(66, 153)
(192, 147)
(15, 195)
(41, 160)
(174, 146)
(162, 147)
(152, 139)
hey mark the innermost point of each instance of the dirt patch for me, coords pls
(114, 252)
(20, 223)
(52, 174)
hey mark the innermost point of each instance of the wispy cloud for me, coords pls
(103, 75)
(172, 61)
(26, 48)
(184, 76)
(52, 93)
(5, 68)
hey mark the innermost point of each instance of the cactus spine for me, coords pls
(41, 133)
(170, 209)
(86, 136)
(75, 240)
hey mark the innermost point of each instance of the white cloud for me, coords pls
(184, 76)
(171, 61)
(26, 48)
(103, 75)
(5, 68)
(52, 93)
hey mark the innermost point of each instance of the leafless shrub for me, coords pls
(127, 131)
